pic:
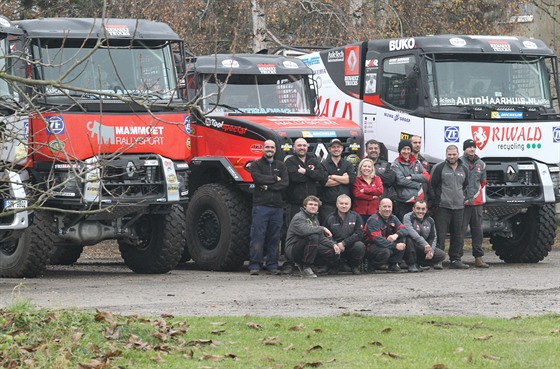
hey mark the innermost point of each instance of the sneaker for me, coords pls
(254, 272)
(393, 268)
(423, 267)
(458, 264)
(403, 265)
(413, 268)
(275, 272)
(307, 272)
(479, 263)
(438, 266)
(356, 270)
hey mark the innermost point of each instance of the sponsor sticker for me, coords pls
(267, 68)
(506, 115)
(317, 134)
(115, 30)
(456, 41)
(530, 45)
(230, 63)
(500, 46)
(290, 64)
(451, 133)
(55, 125)
(405, 136)
(256, 148)
(335, 56)
(402, 44)
(556, 134)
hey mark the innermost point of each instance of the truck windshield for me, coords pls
(462, 80)
(256, 94)
(138, 69)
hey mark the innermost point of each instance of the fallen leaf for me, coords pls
(458, 350)
(199, 342)
(386, 330)
(158, 358)
(272, 341)
(376, 343)
(210, 357)
(93, 364)
(490, 357)
(439, 366)
(218, 331)
(484, 338)
(254, 325)
(316, 347)
(392, 354)
(218, 323)
(289, 347)
(104, 316)
(313, 365)
(160, 336)
(298, 327)
(165, 316)
(318, 330)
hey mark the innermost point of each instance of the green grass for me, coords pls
(59, 339)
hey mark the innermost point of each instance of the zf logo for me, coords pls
(451, 134)
(556, 134)
(55, 125)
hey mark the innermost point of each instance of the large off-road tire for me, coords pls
(161, 242)
(28, 256)
(533, 236)
(65, 253)
(218, 227)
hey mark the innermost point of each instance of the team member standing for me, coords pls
(304, 172)
(309, 243)
(385, 238)
(410, 175)
(367, 190)
(339, 176)
(416, 142)
(382, 168)
(421, 241)
(346, 228)
(472, 215)
(271, 178)
(448, 184)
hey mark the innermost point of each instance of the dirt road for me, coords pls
(504, 290)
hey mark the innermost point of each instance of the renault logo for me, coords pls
(130, 169)
(321, 151)
(511, 174)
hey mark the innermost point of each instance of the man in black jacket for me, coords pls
(271, 178)
(339, 176)
(346, 228)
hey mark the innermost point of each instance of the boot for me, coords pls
(479, 263)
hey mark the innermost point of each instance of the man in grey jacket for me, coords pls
(448, 183)
(421, 241)
(307, 242)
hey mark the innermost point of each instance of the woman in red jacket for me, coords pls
(367, 190)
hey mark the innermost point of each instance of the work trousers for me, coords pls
(473, 217)
(450, 220)
(266, 231)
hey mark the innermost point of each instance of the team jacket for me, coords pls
(304, 224)
(364, 203)
(477, 179)
(329, 194)
(409, 190)
(383, 170)
(303, 185)
(421, 231)
(268, 190)
(348, 230)
(447, 186)
(378, 229)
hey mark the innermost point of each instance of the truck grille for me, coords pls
(128, 176)
(512, 180)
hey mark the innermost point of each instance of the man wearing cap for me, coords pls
(447, 192)
(472, 215)
(409, 177)
(338, 177)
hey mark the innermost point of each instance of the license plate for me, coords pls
(15, 204)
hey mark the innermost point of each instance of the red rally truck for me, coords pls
(107, 144)
(243, 100)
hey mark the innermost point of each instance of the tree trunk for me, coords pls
(259, 25)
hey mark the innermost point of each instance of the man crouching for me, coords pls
(307, 242)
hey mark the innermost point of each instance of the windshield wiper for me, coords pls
(228, 107)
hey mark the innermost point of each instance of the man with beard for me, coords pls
(382, 168)
(271, 178)
(447, 187)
